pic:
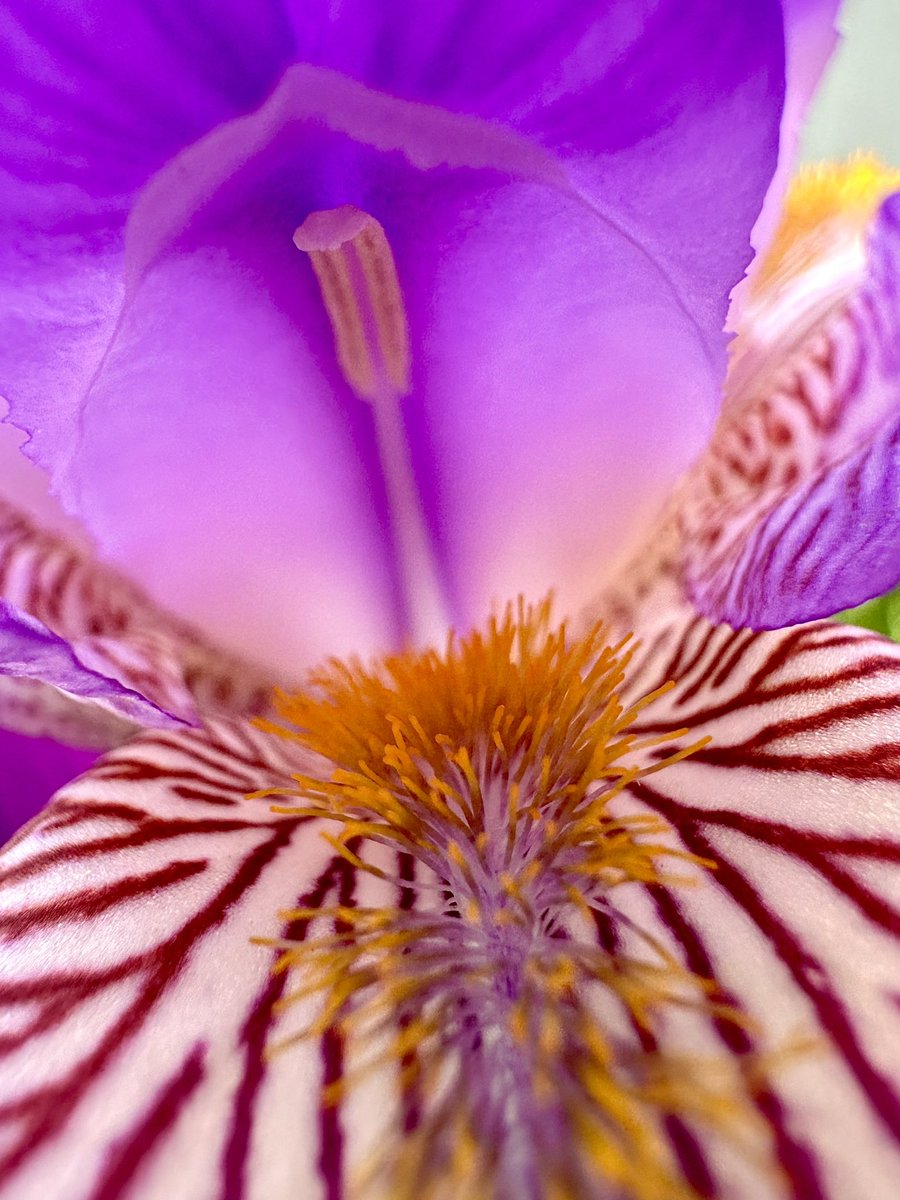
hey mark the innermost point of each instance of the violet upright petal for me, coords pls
(94, 98)
(222, 356)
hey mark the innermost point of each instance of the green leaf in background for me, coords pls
(882, 615)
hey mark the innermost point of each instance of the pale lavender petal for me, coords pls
(796, 799)
(29, 650)
(137, 1015)
(28, 488)
(220, 353)
(795, 513)
(31, 770)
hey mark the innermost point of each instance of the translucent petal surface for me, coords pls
(219, 357)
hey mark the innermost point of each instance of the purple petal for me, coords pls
(221, 358)
(31, 770)
(795, 799)
(29, 650)
(810, 39)
(96, 98)
(137, 1013)
(27, 486)
(796, 512)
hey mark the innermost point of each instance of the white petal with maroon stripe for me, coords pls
(797, 799)
(135, 1013)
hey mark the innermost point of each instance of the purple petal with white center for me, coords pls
(136, 1012)
(220, 354)
(31, 770)
(29, 650)
(796, 799)
(795, 511)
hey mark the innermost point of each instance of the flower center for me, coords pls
(357, 276)
(498, 768)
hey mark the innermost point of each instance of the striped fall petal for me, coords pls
(36, 709)
(140, 1019)
(791, 513)
(28, 650)
(118, 630)
(796, 799)
(136, 1013)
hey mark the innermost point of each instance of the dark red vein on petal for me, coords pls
(331, 1134)
(797, 1160)
(807, 972)
(91, 902)
(150, 832)
(46, 1110)
(255, 1036)
(128, 1158)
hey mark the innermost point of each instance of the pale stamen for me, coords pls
(357, 275)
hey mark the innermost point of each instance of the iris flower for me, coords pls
(332, 327)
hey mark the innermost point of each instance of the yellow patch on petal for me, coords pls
(498, 767)
(827, 206)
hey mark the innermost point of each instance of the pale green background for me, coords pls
(858, 106)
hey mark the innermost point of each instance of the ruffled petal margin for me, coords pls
(137, 1013)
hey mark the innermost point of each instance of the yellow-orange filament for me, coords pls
(357, 275)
